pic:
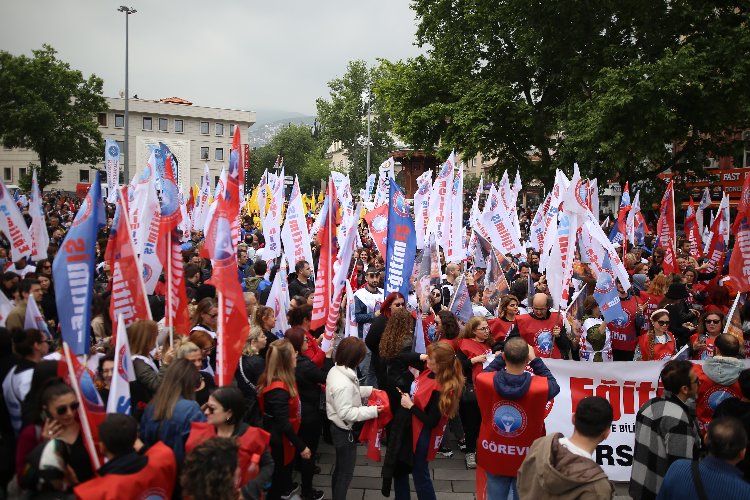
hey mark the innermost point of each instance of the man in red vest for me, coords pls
(543, 329)
(129, 474)
(513, 404)
(718, 378)
(626, 328)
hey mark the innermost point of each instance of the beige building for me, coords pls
(196, 135)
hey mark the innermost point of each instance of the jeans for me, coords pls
(501, 487)
(309, 433)
(346, 459)
(367, 375)
(420, 472)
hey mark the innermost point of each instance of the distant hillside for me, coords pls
(262, 132)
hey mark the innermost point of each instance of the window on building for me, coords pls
(22, 172)
(219, 129)
(204, 128)
(178, 126)
(163, 124)
(231, 129)
(148, 123)
(122, 147)
(122, 177)
(119, 121)
(7, 174)
(204, 153)
(83, 175)
(102, 119)
(216, 180)
(219, 154)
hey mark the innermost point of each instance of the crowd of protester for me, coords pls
(187, 437)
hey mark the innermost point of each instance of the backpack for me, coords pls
(253, 282)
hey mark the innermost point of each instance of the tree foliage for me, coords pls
(343, 118)
(539, 85)
(303, 156)
(50, 108)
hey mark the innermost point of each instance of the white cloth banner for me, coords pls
(440, 200)
(14, 226)
(144, 216)
(386, 172)
(422, 207)
(123, 374)
(38, 228)
(272, 222)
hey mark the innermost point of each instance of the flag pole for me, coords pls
(170, 305)
(731, 312)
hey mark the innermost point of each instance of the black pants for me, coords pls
(346, 459)
(620, 355)
(309, 433)
(282, 474)
(471, 418)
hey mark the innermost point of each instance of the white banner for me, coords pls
(294, 235)
(626, 385)
(112, 166)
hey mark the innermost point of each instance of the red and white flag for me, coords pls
(665, 230)
(739, 263)
(716, 248)
(38, 229)
(422, 207)
(145, 220)
(128, 300)
(456, 251)
(691, 229)
(440, 204)
(324, 274)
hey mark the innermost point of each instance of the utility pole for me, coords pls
(126, 170)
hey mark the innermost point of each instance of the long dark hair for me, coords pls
(180, 381)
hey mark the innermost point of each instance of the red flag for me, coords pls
(377, 221)
(372, 431)
(233, 327)
(692, 231)
(91, 411)
(324, 274)
(666, 237)
(129, 299)
(739, 263)
(190, 204)
(716, 249)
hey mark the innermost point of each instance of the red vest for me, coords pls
(650, 305)
(710, 394)
(706, 353)
(155, 481)
(295, 416)
(661, 351)
(538, 333)
(451, 342)
(509, 427)
(623, 330)
(252, 443)
(499, 328)
(423, 389)
(473, 348)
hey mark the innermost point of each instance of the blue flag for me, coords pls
(460, 305)
(401, 245)
(73, 271)
(605, 293)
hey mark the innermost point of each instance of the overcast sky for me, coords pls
(240, 54)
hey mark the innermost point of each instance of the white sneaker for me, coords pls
(471, 460)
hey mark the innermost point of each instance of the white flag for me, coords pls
(200, 210)
(386, 172)
(112, 166)
(294, 235)
(144, 215)
(123, 374)
(351, 325)
(38, 229)
(34, 319)
(14, 226)
(6, 306)
(419, 343)
(272, 222)
(278, 300)
(422, 207)
(456, 251)
(440, 200)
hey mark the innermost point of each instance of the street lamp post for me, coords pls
(127, 11)
(369, 100)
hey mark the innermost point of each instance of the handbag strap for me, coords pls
(697, 480)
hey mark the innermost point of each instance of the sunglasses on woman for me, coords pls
(713, 321)
(63, 409)
(663, 322)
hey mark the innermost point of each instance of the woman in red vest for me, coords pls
(501, 326)
(658, 343)
(653, 297)
(433, 400)
(473, 349)
(710, 326)
(279, 403)
(447, 329)
(224, 412)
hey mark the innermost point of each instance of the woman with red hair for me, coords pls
(394, 301)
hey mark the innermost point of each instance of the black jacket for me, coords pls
(276, 419)
(309, 380)
(373, 343)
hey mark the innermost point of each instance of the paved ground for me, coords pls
(451, 479)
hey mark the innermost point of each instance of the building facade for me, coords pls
(196, 135)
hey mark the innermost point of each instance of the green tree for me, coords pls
(50, 108)
(538, 85)
(343, 118)
(303, 156)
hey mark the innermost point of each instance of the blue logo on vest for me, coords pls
(716, 397)
(544, 341)
(509, 419)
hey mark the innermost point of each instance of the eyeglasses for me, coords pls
(662, 322)
(63, 409)
(713, 321)
(483, 328)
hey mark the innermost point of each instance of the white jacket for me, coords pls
(344, 398)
